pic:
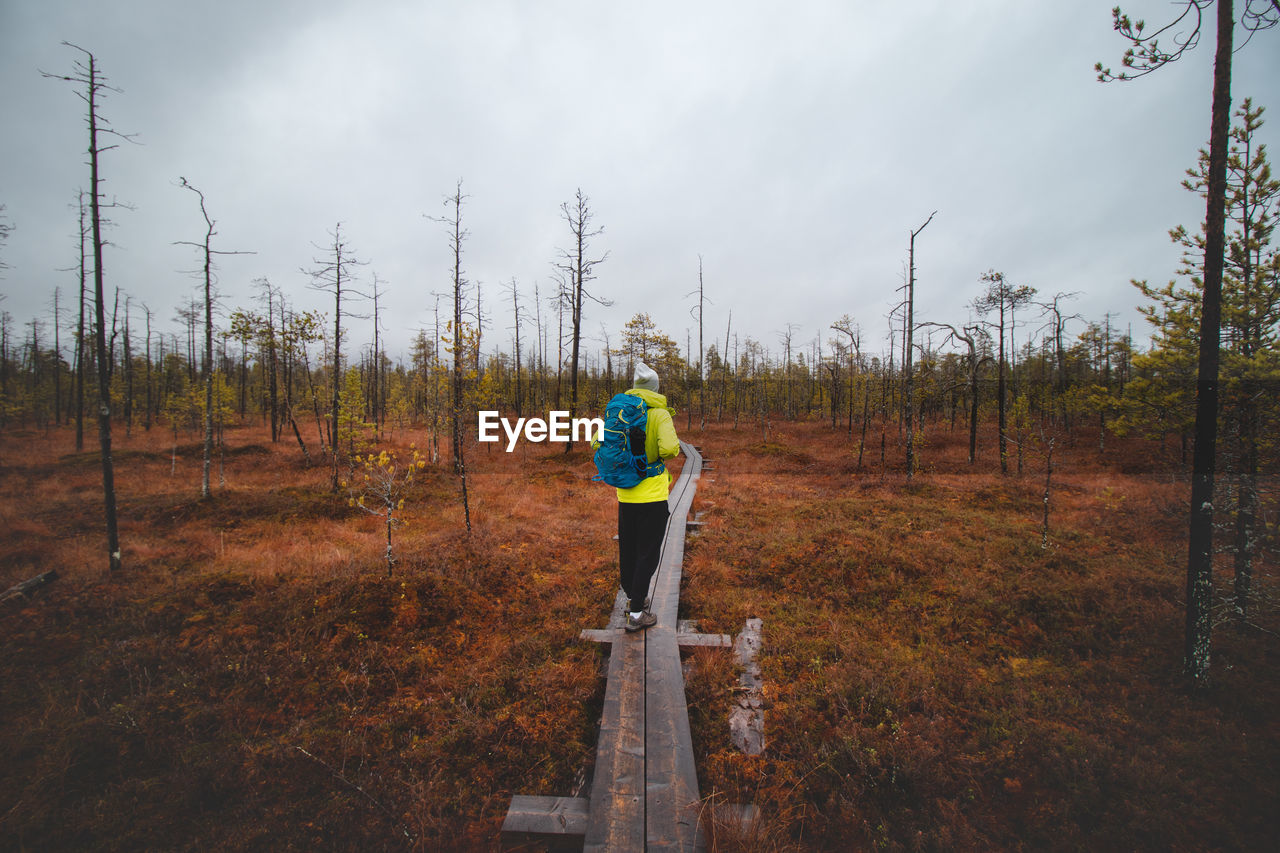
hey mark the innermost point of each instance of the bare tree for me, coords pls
(296, 330)
(909, 390)
(333, 273)
(206, 273)
(971, 336)
(847, 326)
(6, 228)
(580, 269)
(87, 74)
(376, 393)
(80, 360)
(785, 337)
(561, 299)
(57, 356)
(608, 356)
(458, 338)
(1057, 325)
(146, 419)
(688, 365)
(1048, 441)
(6, 321)
(540, 342)
(278, 344)
(128, 371)
(477, 367)
(515, 327)
(724, 378)
(702, 350)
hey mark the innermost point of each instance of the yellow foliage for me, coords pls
(383, 486)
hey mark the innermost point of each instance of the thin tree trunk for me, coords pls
(459, 340)
(1048, 482)
(337, 368)
(150, 401)
(128, 374)
(99, 305)
(57, 361)
(866, 417)
(909, 350)
(702, 374)
(1200, 540)
(1000, 399)
(272, 366)
(973, 414)
(80, 337)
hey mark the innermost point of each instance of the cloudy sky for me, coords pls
(792, 146)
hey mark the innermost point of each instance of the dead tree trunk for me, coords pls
(333, 274)
(702, 373)
(87, 74)
(909, 349)
(580, 269)
(80, 334)
(207, 277)
(458, 341)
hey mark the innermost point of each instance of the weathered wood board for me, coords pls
(644, 790)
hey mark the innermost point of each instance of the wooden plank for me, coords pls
(644, 790)
(666, 581)
(618, 616)
(684, 639)
(671, 779)
(616, 816)
(715, 641)
(556, 823)
(746, 721)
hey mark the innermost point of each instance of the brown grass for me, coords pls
(934, 678)
(253, 679)
(938, 680)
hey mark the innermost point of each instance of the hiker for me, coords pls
(642, 508)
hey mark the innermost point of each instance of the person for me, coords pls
(642, 509)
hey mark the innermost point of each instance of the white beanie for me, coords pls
(645, 378)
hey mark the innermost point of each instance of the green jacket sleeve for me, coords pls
(668, 442)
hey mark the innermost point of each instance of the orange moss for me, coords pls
(934, 678)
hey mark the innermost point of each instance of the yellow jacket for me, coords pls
(660, 442)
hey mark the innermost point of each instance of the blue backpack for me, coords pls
(621, 458)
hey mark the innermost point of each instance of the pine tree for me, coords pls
(1249, 347)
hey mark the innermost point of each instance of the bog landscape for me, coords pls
(1000, 576)
(369, 650)
(939, 671)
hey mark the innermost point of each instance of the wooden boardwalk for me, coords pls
(644, 790)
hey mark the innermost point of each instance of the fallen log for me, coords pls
(22, 590)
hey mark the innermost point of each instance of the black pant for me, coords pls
(641, 529)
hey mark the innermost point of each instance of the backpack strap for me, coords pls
(651, 469)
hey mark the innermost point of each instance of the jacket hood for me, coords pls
(652, 399)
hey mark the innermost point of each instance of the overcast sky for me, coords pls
(793, 146)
